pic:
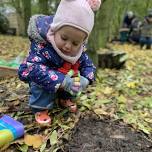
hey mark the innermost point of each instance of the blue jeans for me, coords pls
(41, 100)
(146, 41)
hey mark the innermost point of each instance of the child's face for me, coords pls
(69, 40)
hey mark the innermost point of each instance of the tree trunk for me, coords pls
(43, 7)
(99, 35)
(23, 11)
(20, 19)
(27, 14)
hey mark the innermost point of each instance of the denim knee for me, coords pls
(146, 40)
(40, 99)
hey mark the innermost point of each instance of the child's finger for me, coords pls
(76, 79)
(75, 88)
(76, 84)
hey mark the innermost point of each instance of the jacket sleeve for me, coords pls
(36, 69)
(87, 68)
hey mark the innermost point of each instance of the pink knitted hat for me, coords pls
(76, 13)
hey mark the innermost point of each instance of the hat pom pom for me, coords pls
(94, 4)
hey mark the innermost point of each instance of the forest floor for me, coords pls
(114, 114)
(92, 134)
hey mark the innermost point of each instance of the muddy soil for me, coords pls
(90, 134)
(95, 135)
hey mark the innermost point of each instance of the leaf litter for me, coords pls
(121, 95)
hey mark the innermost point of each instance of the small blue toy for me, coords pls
(10, 130)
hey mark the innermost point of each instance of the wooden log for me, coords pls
(111, 59)
(7, 71)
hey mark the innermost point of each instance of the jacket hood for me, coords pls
(38, 27)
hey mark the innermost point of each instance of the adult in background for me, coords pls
(134, 36)
(146, 31)
(126, 26)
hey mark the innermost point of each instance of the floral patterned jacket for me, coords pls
(42, 64)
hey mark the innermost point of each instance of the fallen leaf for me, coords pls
(121, 99)
(107, 90)
(130, 65)
(3, 109)
(14, 103)
(132, 84)
(23, 148)
(33, 140)
(54, 138)
(43, 146)
(100, 111)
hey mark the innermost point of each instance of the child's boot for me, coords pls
(68, 104)
(42, 117)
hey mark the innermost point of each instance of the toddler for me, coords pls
(57, 66)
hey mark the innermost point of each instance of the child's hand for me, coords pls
(80, 83)
(68, 85)
(84, 82)
(75, 85)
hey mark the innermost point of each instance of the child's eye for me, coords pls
(63, 38)
(75, 44)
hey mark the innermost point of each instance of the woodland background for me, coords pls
(125, 95)
(108, 18)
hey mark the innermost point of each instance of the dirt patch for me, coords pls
(95, 135)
